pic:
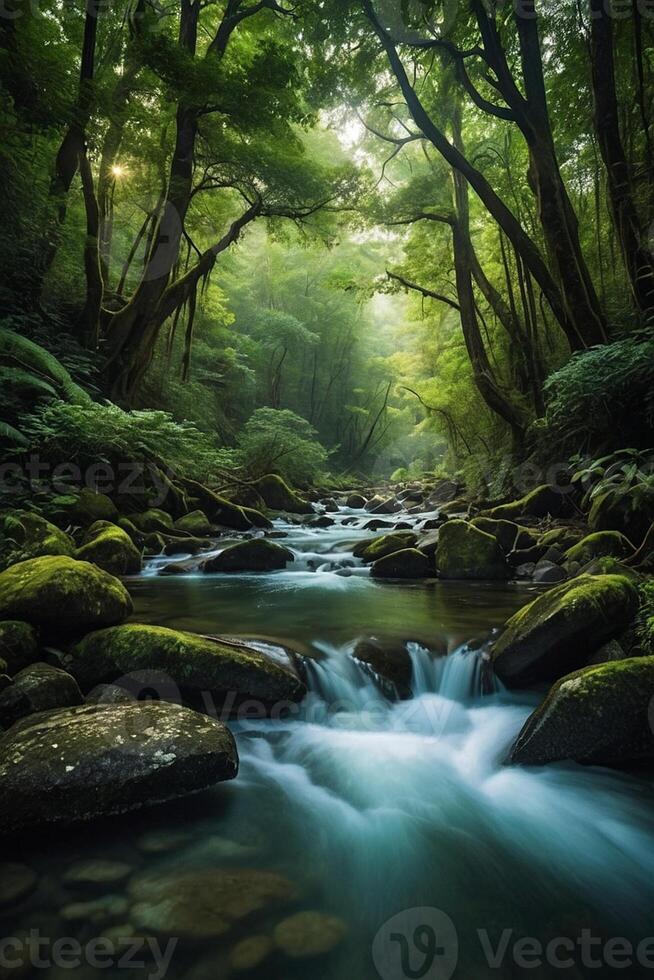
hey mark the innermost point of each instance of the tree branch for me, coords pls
(429, 293)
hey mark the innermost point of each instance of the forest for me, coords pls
(326, 487)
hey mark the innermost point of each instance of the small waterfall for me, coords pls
(457, 676)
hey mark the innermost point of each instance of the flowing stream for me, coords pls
(381, 808)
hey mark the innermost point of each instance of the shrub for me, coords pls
(279, 441)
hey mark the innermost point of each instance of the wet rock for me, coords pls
(279, 496)
(152, 521)
(96, 872)
(251, 952)
(329, 504)
(356, 501)
(24, 535)
(545, 500)
(109, 694)
(599, 545)
(107, 908)
(90, 507)
(309, 934)
(17, 881)
(377, 525)
(38, 687)
(560, 630)
(599, 715)
(608, 653)
(62, 595)
(187, 546)
(224, 512)
(196, 523)
(428, 543)
(18, 645)
(466, 552)
(110, 548)
(383, 505)
(547, 572)
(177, 568)
(370, 551)
(257, 555)
(510, 536)
(171, 661)
(432, 524)
(161, 841)
(205, 904)
(526, 556)
(562, 537)
(409, 563)
(323, 521)
(388, 659)
(73, 764)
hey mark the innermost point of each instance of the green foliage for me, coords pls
(645, 622)
(278, 441)
(623, 476)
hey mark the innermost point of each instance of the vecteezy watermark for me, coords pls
(423, 944)
(101, 953)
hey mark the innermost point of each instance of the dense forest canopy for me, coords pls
(403, 236)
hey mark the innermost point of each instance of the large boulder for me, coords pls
(38, 687)
(73, 764)
(90, 507)
(153, 521)
(221, 511)
(599, 545)
(599, 715)
(466, 552)
(407, 563)
(257, 555)
(559, 631)
(383, 505)
(24, 535)
(387, 659)
(279, 496)
(543, 501)
(385, 545)
(356, 501)
(510, 536)
(64, 596)
(182, 662)
(110, 548)
(19, 645)
(197, 523)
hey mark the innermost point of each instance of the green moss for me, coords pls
(408, 563)
(152, 521)
(62, 595)
(598, 545)
(258, 555)
(542, 501)
(196, 522)
(279, 496)
(195, 663)
(26, 535)
(510, 536)
(466, 552)
(91, 507)
(110, 548)
(384, 545)
(19, 645)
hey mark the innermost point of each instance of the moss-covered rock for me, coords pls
(598, 545)
(561, 537)
(218, 509)
(153, 544)
(38, 687)
(385, 545)
(599, 715)
(97, 760)
(62, 595)
(510, 536)
(466, 552)
(91, 507)
(153, 521)
(388, 660)
(187, 546)
(407, 563)
(110, 548)
(543, 501)
(356, 501)
(560, 631)
(626, 513)
(197, 523)
(383, 505)
(19, 645)
(279, 496)
(130, 529)
(257, 555)
(24, 535)
(195, 664)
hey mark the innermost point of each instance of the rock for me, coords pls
(251, 952)
(107, 908)
(187, 546)
(197, 523)
(62, 595)
(279, 496)
(433, 524)
(177, 568)
(109, 694)
(257, 555)
(205, 904)
(525, 570)
(559, 631)
(224, 512)
(161, 841)
(153, 544)
(59, 767)
(152, 521)
(613, 512)
(38, 687)
(371, 551)
(609, 652)
(510, 536)
(309, 934)
(19, 645)
(329, 504)
(173, 659)
(428, 543)
(546, 572)
(323, 521)
(465, 552)
(132, 531)
(406, 563)
(600, 715)
(561, 537)
(25, 535)
(458, 506)
(388, 659)
(526, 556)
(110, 548)
(383, 505)
(377, 525)
(17, 881)
(96, 872)
(444, 491)
(90, 507)
(598, 545)
(356, 501)
(543, 501)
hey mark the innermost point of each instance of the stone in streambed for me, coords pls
(356, 501)
(73, 764)
(548, 573)
(545, 500)
(152, 521)
(24, 535)
(510, 536)
(195, 664)
(187, 546)
(371, 551)
(599, 545)
(279, 496)
(63, 596)
(389, 659)
(90, 507)
(409, 563)
(197, 523)
(383, 505)
(205, 904)
(466, 552)
(110, 548)
(322, 521)
(17, 881)
(38, 687)
(251, 952)
(599, 715)
(19, 645)
(560, 631)
(257, 555)
(96, 872)
(309, 933)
